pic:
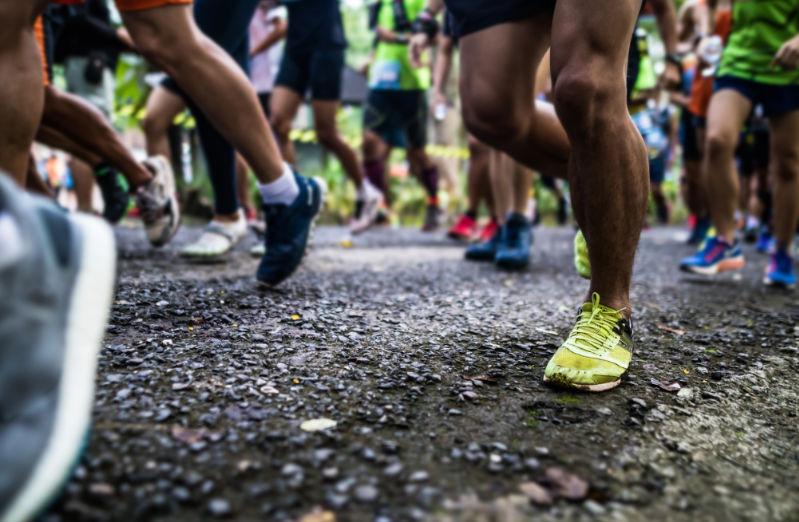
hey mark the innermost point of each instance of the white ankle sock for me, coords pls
(283, 191)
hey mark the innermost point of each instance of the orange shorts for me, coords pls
(133, 5)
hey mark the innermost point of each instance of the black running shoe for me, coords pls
(115, 192)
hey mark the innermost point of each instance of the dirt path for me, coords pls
(431, 368)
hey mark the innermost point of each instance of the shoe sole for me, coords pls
(778, 284)
(592, 388)
(89, 310)
(728, 265)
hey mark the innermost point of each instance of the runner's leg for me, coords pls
(727, 112)
(169, 37)
(162, 107)
(21, 100)
(324, 113)
(608, 165)
(785, 166)
(496, 94)
(284, 106)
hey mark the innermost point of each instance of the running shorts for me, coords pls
(688, 136)
(38, 30)
(133, 5)
(398, 117)
(318, 71)
(775, 99)
(470, 16)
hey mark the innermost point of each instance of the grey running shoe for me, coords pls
(158, 202)
(56, 283)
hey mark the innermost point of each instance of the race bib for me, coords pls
(386, 74)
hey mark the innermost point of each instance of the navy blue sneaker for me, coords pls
(516, 239)
(714, 257)
(780, 270)
(485, 250)
(287, 230)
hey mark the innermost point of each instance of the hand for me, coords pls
(419, 43)
(437, 98)
(671, 79)
(788, 55)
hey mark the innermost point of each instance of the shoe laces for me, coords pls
(593, 329)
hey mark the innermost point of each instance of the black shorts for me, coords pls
(775, 99)
(688, 136)
(398, 117)
(753, 151)
(470, 16)
(318, 71)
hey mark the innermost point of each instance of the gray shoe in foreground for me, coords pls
(56, 282)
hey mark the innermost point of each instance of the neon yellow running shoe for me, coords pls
(581, 260)
(597, 352)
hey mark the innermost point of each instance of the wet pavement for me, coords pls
(391, 380)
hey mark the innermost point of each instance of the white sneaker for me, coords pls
(217, 239)
(372, 202)
(158, 202)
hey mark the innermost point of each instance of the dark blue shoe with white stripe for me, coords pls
(780, 270)
(288, 228)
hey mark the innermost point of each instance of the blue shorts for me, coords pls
(775, 99)
(398, 117)
(316, 71)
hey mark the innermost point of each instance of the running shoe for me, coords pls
(714, 257)
(700, 231)
(288, 228)
(432, 218)
(597, 352)
(486, 250)
(780, 270)
(765, 241)
(464, 229)
(516, 239)
(158, 202)
(217, 239)
(367, 209)
(115, 191)
(56, 279)
(488, 231)
(582, 263)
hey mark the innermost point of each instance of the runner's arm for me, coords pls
(277, 34)
(666, 17)
(422, 40)
(441, 70)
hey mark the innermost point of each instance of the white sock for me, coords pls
(752, 222)
(367, 191)
(283, 191)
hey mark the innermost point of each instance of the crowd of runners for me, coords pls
(548, 89)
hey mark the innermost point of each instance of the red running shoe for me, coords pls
(464, 230)
(488, 231)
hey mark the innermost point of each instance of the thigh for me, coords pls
(784, 141)
(593, 41)
(498, 63)
(325, 71)
(163, 105)
(324, 115)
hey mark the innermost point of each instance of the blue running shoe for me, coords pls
(287, 230)
(714, 257)
(699, 233)
(513, 251)
(780, 270)
(485, 250)
(765, 241)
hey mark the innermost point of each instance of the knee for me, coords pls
(493, 121)
(786, 165)
(585, 102)
(719, 143)
(281, 125)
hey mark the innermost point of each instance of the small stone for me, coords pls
(419, 476)
(595, 508)
(366, 494)
(393, 470)
(219, 507)
(536, 493)
(604, 410)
